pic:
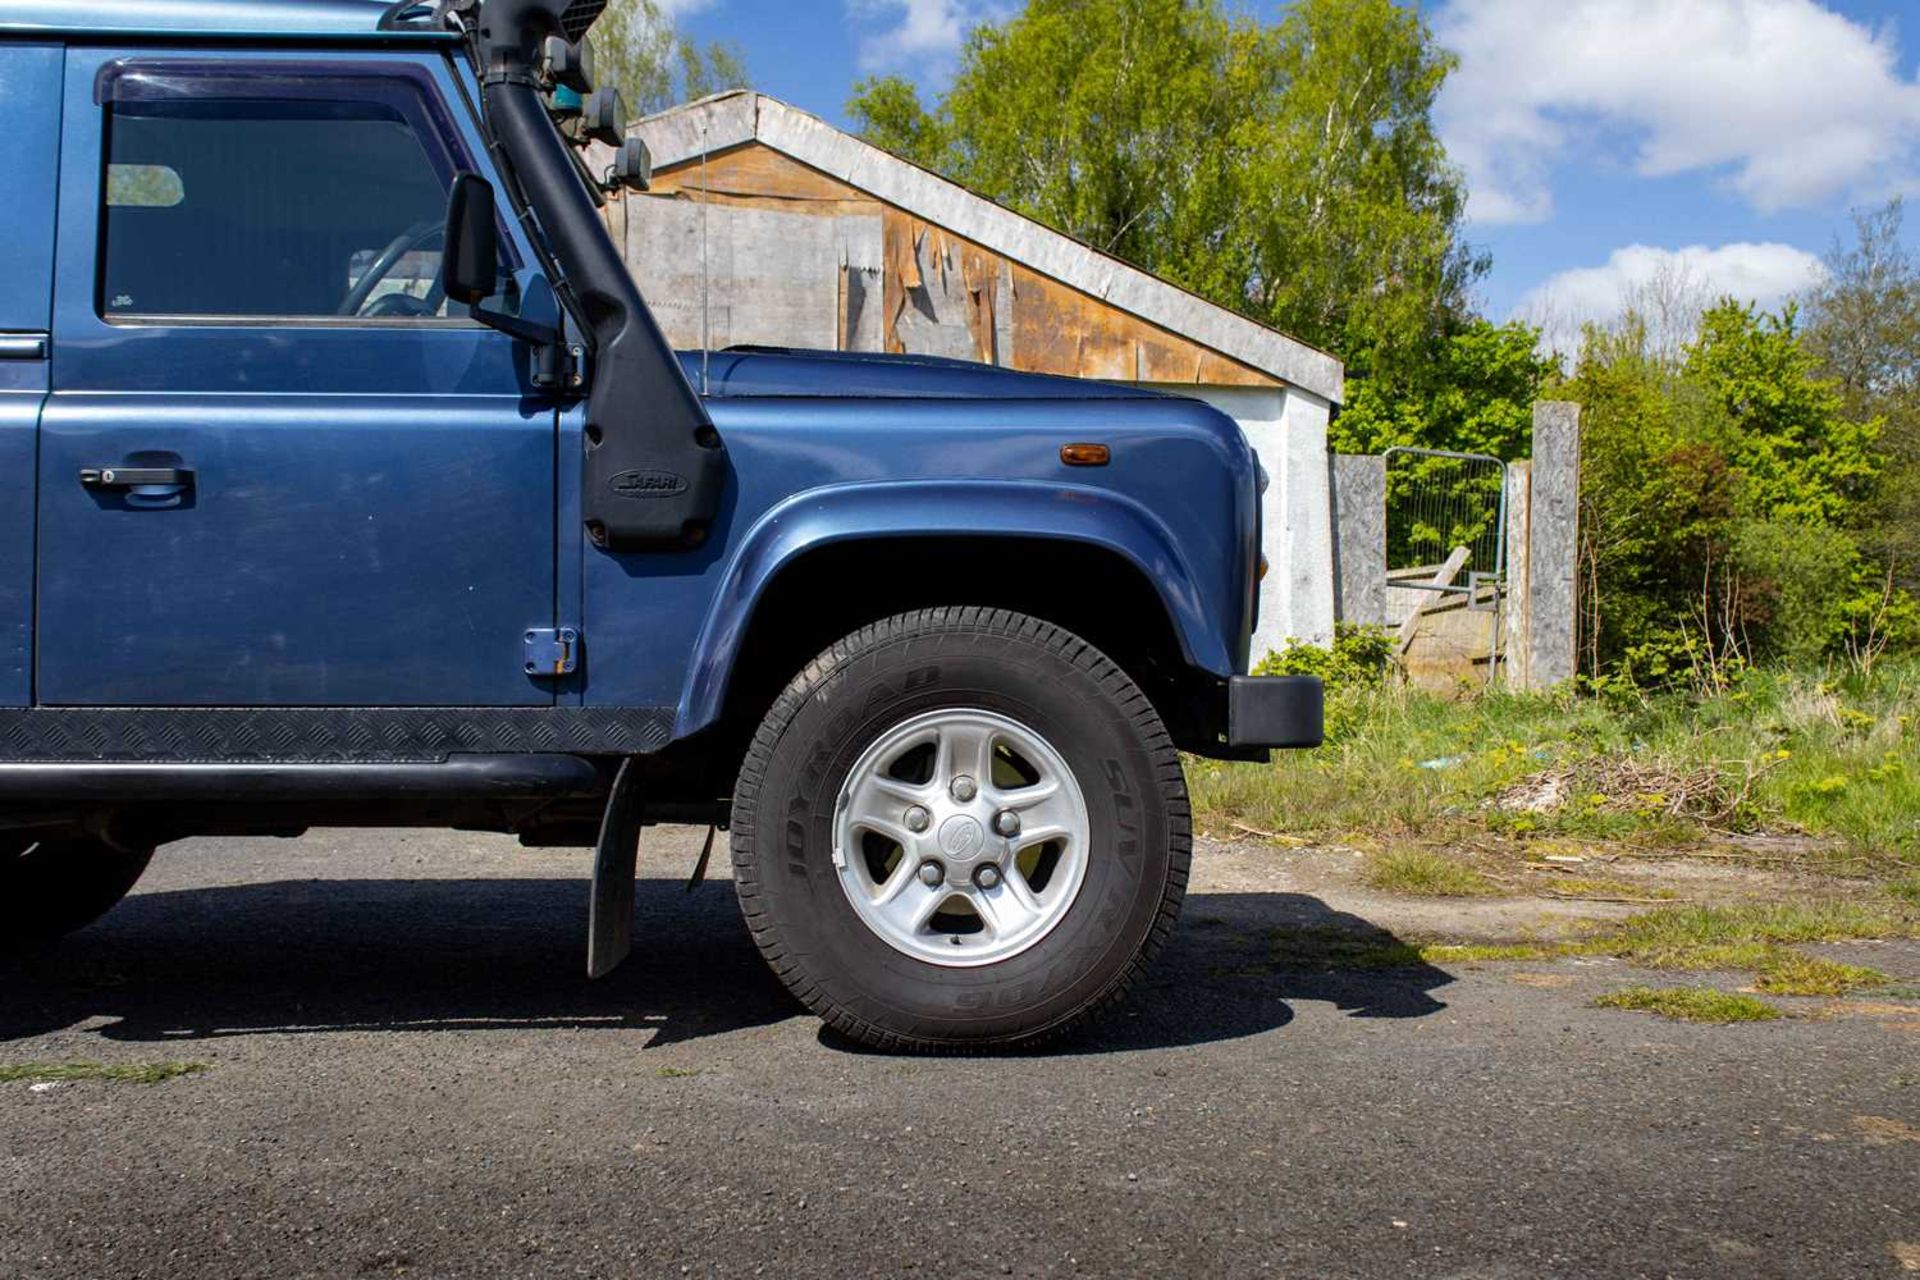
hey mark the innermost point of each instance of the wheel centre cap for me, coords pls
(962, 838)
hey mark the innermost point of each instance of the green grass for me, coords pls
(1424, 874)
(677, 1073)
(1698, 937)
(127, 1072)
(1836, 757)
(1793, 973)
(1755, 938)
(1690, 1004)
(1477, 953)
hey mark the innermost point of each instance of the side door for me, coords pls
(30, 157)
(274, 470)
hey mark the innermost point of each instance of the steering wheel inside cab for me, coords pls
(419, 236)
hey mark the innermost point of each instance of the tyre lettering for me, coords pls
(1125, 812)
(799, 811)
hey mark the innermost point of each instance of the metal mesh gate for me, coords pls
(1446, 532)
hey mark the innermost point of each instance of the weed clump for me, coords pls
(126, 1072)
(1424, 874)
(1690, 1004)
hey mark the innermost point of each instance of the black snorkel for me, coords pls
(655, 465)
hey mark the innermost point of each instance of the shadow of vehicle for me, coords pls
(311, 956)
(1237, 965)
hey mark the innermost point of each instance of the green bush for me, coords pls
(1360, 658)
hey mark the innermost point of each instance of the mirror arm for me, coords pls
(556, 365)
(539, 335)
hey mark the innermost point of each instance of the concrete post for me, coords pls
(1515, 610)
(1360, 538)
(1552, 544)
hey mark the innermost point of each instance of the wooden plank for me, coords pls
(943, 294)
(1058, 329)
(1443, 578)
(980, 273)
(758, 171)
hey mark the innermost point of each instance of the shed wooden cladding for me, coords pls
(937, 293)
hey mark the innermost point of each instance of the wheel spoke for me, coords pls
(906, 872)
(966, 748)
(1006, 910)
(1016, 888)
(905, 792)
(909, 907)
(1032, 836)
(1023, 799)
(880, 805)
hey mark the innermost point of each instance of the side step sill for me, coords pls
(457, 778)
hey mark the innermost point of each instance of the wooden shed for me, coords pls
(767, 225)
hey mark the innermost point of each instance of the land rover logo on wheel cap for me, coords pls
(648, 484)
(961, 837)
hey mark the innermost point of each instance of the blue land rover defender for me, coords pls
(345, 479)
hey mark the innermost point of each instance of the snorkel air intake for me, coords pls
(655, 466)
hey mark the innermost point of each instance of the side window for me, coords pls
(279, 192)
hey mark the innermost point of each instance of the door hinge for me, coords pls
(552, 651)
(560, 366)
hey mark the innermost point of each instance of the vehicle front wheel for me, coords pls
(960, 828)
(50, 888)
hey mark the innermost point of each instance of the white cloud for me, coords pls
(1793, 103)
(924, 36)
(1669, 286)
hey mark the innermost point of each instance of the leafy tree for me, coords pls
(1290, 172)
(1783, 428)
(890, 115)
(638, 50)
(1475, 394)
(1864, 328)
(1722, 497)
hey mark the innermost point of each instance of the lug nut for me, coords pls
(965, 789)
(918, 819)
(932, 873)
(987, 875)
(1007, 823)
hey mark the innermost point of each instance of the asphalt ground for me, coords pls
(407, 1073)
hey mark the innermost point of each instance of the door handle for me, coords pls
(136, 477)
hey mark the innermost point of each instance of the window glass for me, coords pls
(232, 193)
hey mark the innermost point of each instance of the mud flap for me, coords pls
(610, 920)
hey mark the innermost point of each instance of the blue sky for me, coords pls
(1607, 142)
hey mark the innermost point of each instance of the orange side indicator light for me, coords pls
(1085, 455)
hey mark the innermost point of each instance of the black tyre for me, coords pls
(50, 888)
(960, 828)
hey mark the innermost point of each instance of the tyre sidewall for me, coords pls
(50, 889)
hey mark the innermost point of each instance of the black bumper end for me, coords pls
(1275, 711)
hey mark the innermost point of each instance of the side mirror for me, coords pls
(470, 258)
